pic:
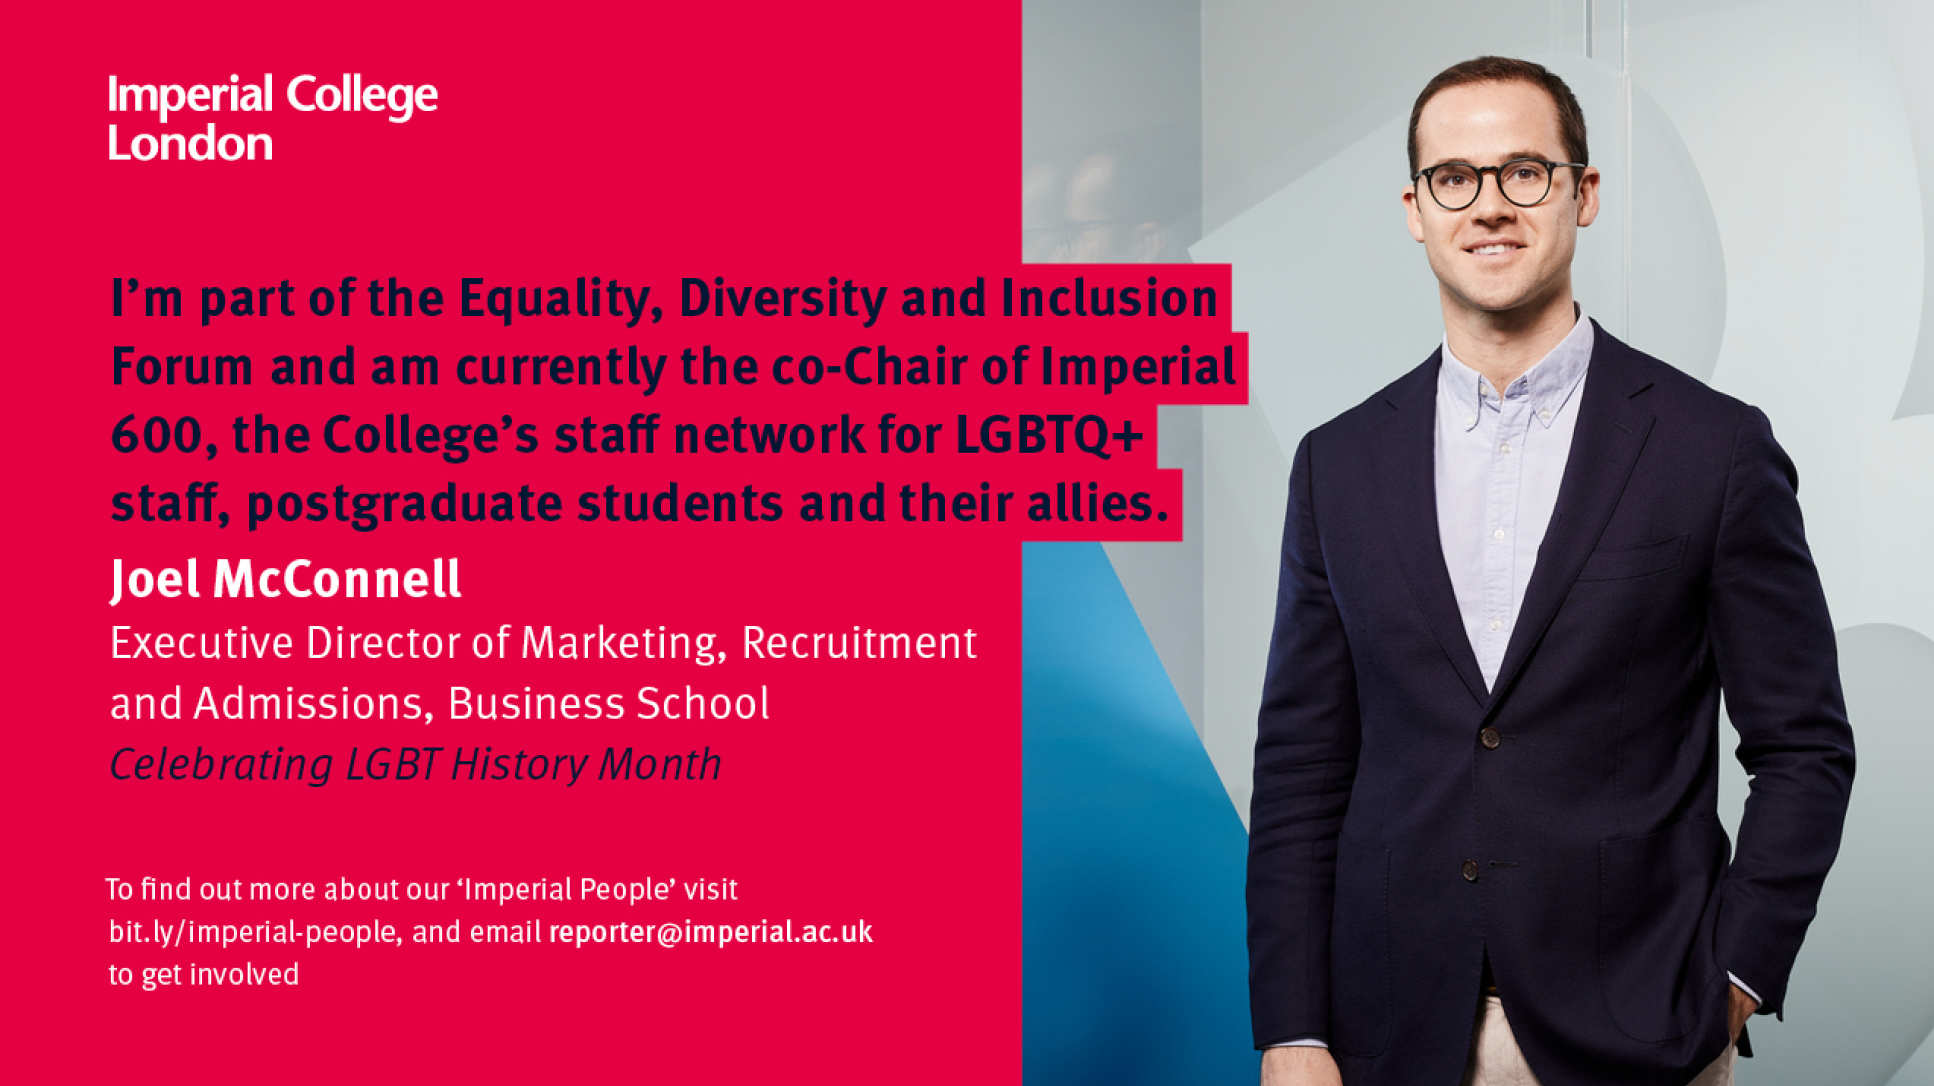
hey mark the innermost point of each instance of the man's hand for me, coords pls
(1299, 1065)
(1742, 1008)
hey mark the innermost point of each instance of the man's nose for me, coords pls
(1490, 206)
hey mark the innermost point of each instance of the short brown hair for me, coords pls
(1571, 119)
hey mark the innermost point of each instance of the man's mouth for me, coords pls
(1494, 248)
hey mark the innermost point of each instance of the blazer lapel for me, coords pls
(1407, 477)
(1612, 428)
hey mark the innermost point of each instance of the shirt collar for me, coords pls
(1547, 385)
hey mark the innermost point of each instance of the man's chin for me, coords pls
(1494, 301)
(1498, 298)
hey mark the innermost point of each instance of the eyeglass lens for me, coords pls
(1524, 181)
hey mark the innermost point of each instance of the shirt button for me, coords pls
(1470, 870)
(1497, 624)
(1490, 738)
(1545, 414)
(1497, 533)
(1472, 421)
(1504, 446)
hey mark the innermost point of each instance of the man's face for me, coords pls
(1487, 124)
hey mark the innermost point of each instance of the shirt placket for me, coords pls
(1502, 478)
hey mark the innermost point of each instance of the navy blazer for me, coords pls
(1405, 820)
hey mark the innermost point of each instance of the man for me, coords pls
(1484, 839)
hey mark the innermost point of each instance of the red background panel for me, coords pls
(644, 144)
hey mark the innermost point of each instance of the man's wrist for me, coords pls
(1742, 986)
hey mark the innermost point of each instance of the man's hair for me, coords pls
(1571, 119)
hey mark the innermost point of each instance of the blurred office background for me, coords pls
(1769, 182)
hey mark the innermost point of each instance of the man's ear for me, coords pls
(1587, 195)
(1413, 216)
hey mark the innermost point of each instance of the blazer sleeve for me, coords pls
(1306, 752)
(1773, 645)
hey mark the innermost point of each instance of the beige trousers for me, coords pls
(1496, 1060)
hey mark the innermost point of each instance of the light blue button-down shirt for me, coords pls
(1499, 460)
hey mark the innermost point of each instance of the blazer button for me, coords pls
(1490, 738)
(1470, 870)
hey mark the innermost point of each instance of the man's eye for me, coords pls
(1526, 173)
(1452, 180)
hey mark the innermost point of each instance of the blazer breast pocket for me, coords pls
(1620, 563)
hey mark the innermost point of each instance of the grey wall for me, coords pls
(1769, 182)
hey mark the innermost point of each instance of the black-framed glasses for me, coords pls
(1524, 181)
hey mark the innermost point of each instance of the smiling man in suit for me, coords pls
(1484, 838)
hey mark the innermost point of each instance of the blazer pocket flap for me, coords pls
(1616, 563)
